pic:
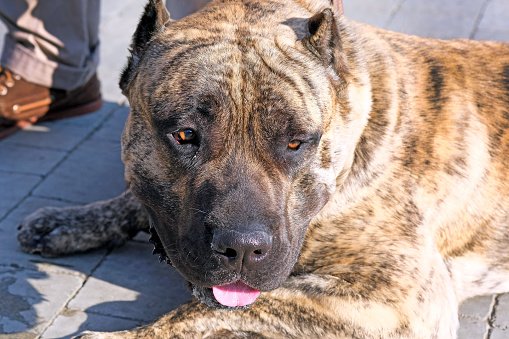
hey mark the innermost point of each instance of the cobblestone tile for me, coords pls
(49, 135)
(471, 328)
(63, 134)
(473, 314)
(114, 125)
(72, 322)
(92, 172)
(131, 283)
(13, 188)
(436, 18)
(499, 334)
(374, 13)
(90, 121)
(30, 299)
(501, 319)
(27, 159)
(479, 307)
(494, 24)
(117, 31)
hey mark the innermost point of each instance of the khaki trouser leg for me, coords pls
(51, 43)
(55, 43)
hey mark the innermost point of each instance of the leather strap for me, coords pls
(338, 4)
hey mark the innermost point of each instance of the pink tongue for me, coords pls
(235, 294)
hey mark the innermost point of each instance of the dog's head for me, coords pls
(238, 131)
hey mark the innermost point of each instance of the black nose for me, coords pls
(241, 249)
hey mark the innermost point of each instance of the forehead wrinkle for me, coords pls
(275, 62)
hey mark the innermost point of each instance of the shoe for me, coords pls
(23, 103)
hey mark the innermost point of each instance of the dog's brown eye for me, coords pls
(294, 145)
(184, 136)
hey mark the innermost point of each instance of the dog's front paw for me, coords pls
(44, 232)
(57, 231)
(53, 231)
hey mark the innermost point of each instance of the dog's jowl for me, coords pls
(311, 177)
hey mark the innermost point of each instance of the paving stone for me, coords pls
(479, 307)
(131, 283)
(91, 120)
(501, 319)
(471, 328)
(499, 334)
(73, 322)
(112, 9)
(30, 299)
(473, 314)
(14, 187)
(49, 135)
(63, 134)
(114, 125)
(494, 24)
(117, 32)
(436, 18)
(28, 160)
(92, 172)
(11, 254)
(374, 13)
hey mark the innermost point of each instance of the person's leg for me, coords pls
(48, 62)
(181, 8)
(51, 43)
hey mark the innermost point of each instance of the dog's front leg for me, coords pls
(320, 306)
(54, 231)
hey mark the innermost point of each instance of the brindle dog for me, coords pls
(356, 177)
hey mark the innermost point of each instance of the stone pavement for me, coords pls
(78, 161)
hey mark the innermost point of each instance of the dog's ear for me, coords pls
(325, 42)
(152, 22)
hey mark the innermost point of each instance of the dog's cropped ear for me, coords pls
(152, 22)
(325, 42)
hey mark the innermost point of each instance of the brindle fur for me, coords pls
(401, 181)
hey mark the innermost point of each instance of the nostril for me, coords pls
(257, 255)
(230, 253)
(241, 248)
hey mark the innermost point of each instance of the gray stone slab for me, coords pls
(479, 307)
(30, 299)
(131, 283)
(115, 33)
(92, 172)
(494, 24)
(111, 9)
(92, 120)
(27, 159)
(50, 135)
(501, 318)
(14, 187)
(63, 134)
(499, 334)
(112, 128)
(437, 18)
(11, 254)
(374, 13)
(471, 328)
(73, 322)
